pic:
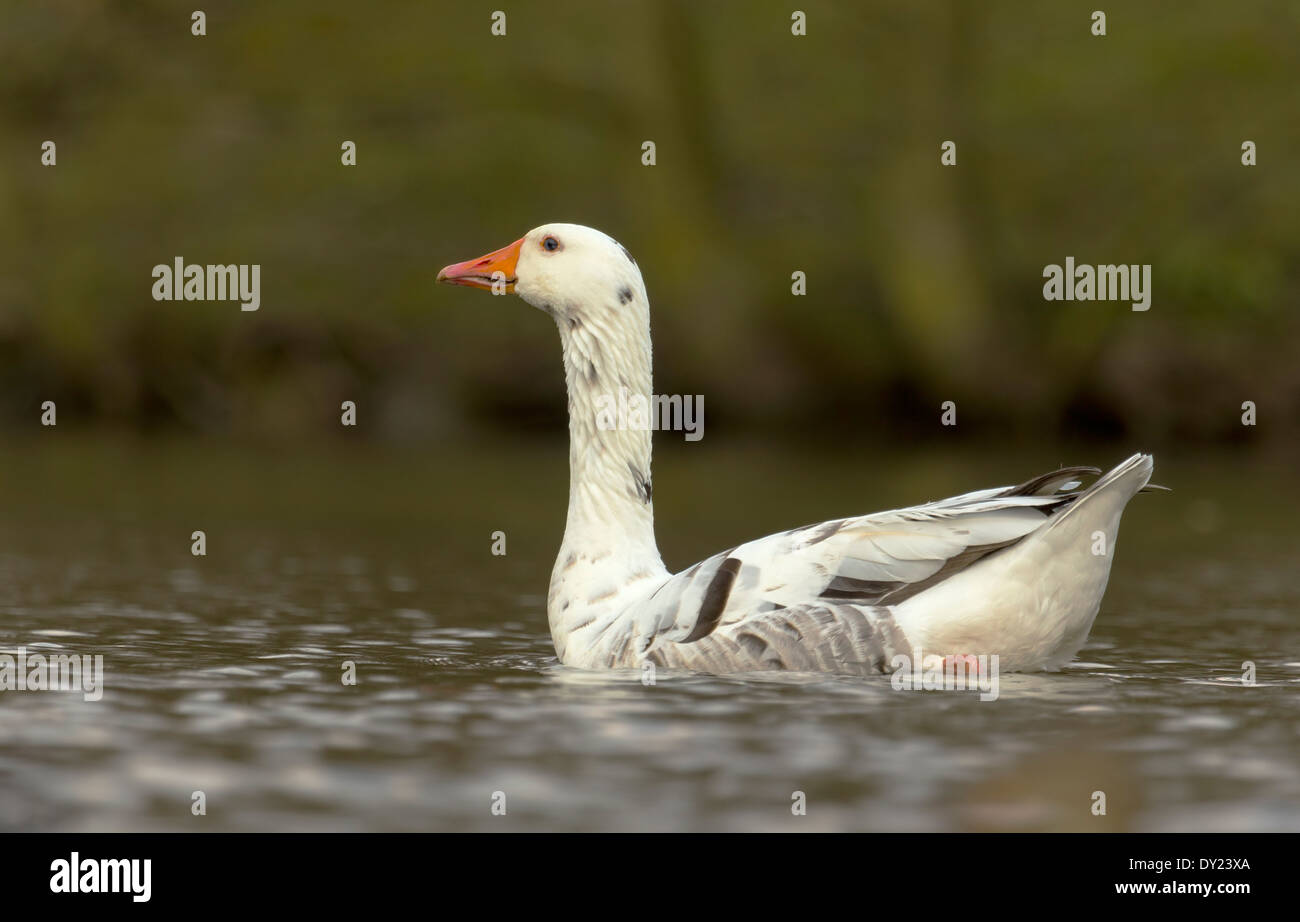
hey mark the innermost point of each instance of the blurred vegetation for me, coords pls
(775, 153)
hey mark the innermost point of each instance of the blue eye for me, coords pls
(550, 243)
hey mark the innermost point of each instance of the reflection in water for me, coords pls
(224, 673)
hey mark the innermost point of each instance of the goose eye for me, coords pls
(550, 243)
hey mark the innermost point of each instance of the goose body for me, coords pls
(1016, 572)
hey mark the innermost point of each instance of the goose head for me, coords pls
(568, 270)
(592, 288)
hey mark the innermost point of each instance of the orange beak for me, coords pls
(482, 272)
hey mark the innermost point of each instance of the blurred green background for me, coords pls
(775, 154)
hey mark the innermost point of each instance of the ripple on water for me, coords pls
(231, 683)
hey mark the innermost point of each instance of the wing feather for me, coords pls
(822, 591)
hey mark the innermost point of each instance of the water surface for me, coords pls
(223, 673)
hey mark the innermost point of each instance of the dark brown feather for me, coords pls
(715, 599)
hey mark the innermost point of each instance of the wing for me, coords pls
(820, 595)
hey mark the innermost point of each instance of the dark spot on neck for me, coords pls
(591, 372)
(641, 486)
(624, 295)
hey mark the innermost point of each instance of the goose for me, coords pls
(1015, 572)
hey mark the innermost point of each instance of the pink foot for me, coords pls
(971, 662)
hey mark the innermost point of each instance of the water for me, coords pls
(222, 673)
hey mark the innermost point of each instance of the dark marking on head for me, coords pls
(624, 295)
(715, 599)
(641, 485)
(626, 253)
(574, 322)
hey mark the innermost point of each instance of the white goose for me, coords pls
(1009, 571)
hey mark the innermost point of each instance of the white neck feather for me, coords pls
(609, 542)
(610, 492)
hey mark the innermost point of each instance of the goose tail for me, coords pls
(1114, 488)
